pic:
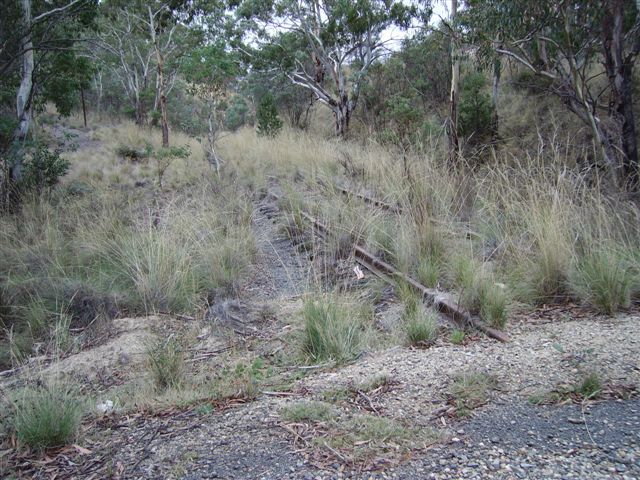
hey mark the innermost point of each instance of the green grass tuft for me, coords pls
(604, 279)
(590, 386)
(165, 360)
(47, 416)
(333, 329)
(457, 337)
(421, 327)
(308, 412)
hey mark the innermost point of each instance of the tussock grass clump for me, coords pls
(587, 387)
(479, 292)
(421, 327)
(334, 329)
(430, 270)
(156, 268)
(165, 359)
(604, 279)
(48, 416)
(494, 302)
(457, 337)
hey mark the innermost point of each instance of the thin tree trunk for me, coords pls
(495, 120)
(163, 102)
(455, 89)
(98, 82)
(160, 82)
(25, 92)
(84, 107)
(342, 114)
(213, 158)
(620, 73)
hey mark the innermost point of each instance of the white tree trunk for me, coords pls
(455, 88)
(25, 91)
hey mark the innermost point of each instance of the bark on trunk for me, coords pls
(620, 72)
(342, 114)
(84, 107)
(455, 91)
(141, 115)
(23, 110)
(495, 120)
(163, 104)
(160, 83)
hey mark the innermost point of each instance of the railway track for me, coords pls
(441, 301)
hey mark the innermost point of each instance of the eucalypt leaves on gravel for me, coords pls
(590, 386)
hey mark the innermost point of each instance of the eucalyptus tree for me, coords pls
(565, 42)
(145, 42)
(325, 46)
(39, 61)
(210, 69)
(125, 52)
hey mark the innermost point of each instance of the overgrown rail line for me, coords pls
(441, 301)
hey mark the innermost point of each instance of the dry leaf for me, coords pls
(82, 450)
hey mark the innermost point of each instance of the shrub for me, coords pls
(421, 327)
(332, 330)
(165, 359)
(235, 116)
(475, 106)
(269, 123)
(47, 416)
(43, 169)
(604, 279)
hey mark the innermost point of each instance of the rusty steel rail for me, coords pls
(443, 302)
(397, 209)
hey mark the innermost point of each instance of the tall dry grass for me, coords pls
(526, 222)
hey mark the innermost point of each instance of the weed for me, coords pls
(47, 416)
(165, 359)
(590, 386)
